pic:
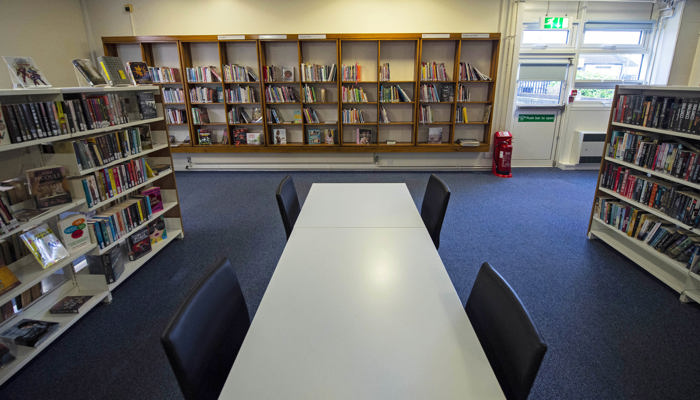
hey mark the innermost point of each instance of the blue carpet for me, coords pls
(613, 330)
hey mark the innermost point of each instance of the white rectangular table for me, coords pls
(360, 313)
(352, 205)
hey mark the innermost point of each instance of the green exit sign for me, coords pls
(555, 23)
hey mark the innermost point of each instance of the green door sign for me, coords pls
(536, 118)
(555, 22)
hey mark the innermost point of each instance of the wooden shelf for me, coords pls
(339, 49)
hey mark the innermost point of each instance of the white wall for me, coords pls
(50, 31)
(686, 45)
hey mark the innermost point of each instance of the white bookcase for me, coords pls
(66, 278)
(628, 115)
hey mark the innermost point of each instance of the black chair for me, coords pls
(203, 338)
(435, 200)
(288, 202)
(510, 340)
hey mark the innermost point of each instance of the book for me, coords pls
(30, 332)
(435, 135)
(204, 136)
(313, 136)
(279, 136)
(109, 264)
(254, 138)
(73, 231)
(329, 136)
(69, 305)
(157, 231)
(87, 70)
(48, 186)
(44, 245)
(7, 352)
(4, 132)
(138, 72)
(297, 117)
(139, 244)
(8, 280)
(154, 197)
(24, 73)
(147, 105)
(112, 70)
(364, 136)
(288, 74)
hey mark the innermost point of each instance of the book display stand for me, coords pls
(114, 135)
(647, 200)
(325, 92)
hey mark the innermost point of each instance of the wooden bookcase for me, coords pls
(627, 157)
(405, 132)
(67, 278)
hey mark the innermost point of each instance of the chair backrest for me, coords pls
(435, 200)
(510, 340)
(288, 202)
(203, 338)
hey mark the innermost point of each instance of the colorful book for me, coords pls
(157, 231)
(139, 244)
(138, 72)
(279, 136)
(8, 280)
(24, 72)
(73, 231)
(44, 245)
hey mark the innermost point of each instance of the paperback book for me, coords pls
(435, 135)
(48, 186)
(112, 70)
(30, 332)
(157, 231)
(88, 72)
(8, 280)
(109, 264)
(24, 73)
(139, 244)
(279, 136)
(138, 72)
(147, 105)
(44, 245)
(69, 305)
(73, 231)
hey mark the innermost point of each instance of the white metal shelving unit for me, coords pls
(68, 282)
(671, 272)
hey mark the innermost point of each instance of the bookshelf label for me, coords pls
(475, 36)
(536, 118)
(231, 37)
(267, 37)
(436, 36)
(312, 36)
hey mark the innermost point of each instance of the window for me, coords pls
(540, 83)
(616, 34)
(534, 36)
(610, 67)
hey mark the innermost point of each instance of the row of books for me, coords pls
(674, 113)
(353, 115)
(200, 116)
(463, 93)
(430, 92)
(351, 72)
(310, 115)
(19, 302)
(426, 115)
(384, 72)
(175, 116)
(432, 71)
(392, 94)
(203, 74)
(682, 205)
(462, 117)
(280, 94)
(310, 95)
(173, 95)
(164, 74)
(12, 249)
(468, 72)
(239, 73)
(108, 183)
(238, 115)
(118, 221)
(28, 121)
(673, 158)
(241, 94)
(353, 94)
(318, 73)
(318, 135)
(273, 73)
(650, 229)
(200, 94)
(273, 116)
(100, 150)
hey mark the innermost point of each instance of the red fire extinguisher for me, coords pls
(502, 152)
